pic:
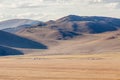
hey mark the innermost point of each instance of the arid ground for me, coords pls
(61, 67)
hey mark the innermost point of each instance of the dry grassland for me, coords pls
(61, 67)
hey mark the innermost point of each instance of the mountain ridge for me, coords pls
(76, 34)
(14, 25)
(72, 26)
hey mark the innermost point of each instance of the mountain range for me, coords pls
(71, 34)
(14, 25)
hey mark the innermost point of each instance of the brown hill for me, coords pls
(76, 34)
(72, 26)
(95, 43)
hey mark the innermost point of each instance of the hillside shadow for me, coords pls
(12, 40)
(98, 27)
(5, 51)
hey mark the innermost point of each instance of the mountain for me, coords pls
(73, 26)
(74, 34)
(77, 34)
(15, 25)
(86, 24)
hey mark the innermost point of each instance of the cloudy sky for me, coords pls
(52, 9)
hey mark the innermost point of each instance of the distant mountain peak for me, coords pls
(71, 26)
(15, 25)
(17, 22)
(69, 18)
(85, 18)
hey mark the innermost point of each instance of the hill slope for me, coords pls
(76, 34)
(86, 24)
(5, 51)
(12, 40)
(72, 26)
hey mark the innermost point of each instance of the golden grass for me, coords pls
(61, 67)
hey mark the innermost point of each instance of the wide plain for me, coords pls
(104, 66)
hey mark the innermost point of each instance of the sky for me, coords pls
(45, 10)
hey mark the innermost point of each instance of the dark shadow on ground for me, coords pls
(12, 40)
(5, 51)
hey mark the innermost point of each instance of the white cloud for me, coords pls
(112, 5)
(53, 9)
(110, 1)
(31, 15)
(107, 3)
(33, 4)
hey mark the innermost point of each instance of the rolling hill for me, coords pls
(71, 26)
(74, 34)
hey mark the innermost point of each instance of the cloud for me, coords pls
(110, 1)
(30, 15)
(37, 9)
(53, 9)
(27, 15)
(20, 4)
(28, 5)
(107, 3)
(2, 6)
(33, 4)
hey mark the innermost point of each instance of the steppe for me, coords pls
(104, 66)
